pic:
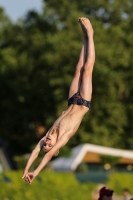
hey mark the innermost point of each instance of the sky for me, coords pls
(18, 8)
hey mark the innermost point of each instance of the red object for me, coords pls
(105, 190)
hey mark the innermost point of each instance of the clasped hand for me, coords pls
(29, 177)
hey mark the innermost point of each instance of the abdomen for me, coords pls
(69, 124)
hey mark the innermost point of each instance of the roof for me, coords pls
(79, 152)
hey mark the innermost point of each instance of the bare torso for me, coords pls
(69, 121)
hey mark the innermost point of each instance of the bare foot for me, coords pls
(82, 26)
(86, 26)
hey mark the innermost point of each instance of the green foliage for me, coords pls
(119, 181)
(48, 185)
(112, 160)
(37, 60)
(61, 186)
(20, 162)
(82, 168)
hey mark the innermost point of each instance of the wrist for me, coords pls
(26, 170)
(36, 172)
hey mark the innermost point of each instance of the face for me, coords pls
(49, 142)
(107, 197)
(126, 193)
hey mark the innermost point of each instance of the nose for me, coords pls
(47, 141)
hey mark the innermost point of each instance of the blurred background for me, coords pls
(40, 43)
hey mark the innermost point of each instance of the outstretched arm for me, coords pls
(61, 142)
(33, 156)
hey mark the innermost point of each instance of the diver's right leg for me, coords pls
(76, 81)
(86, 82)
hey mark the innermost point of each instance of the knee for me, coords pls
(88, 68)
(87, 71)
(78, 68)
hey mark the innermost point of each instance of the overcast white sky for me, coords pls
(18, 8)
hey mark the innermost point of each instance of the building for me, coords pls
(90, 153)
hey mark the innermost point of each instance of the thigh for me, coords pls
(75, 84)
(86, 87)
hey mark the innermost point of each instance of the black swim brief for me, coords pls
(78, 100)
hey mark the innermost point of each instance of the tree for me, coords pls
(38, 57)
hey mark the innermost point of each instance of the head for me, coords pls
(126, 192)
(105, 193)
(48, 143)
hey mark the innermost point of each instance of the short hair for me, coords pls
(126, 190)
